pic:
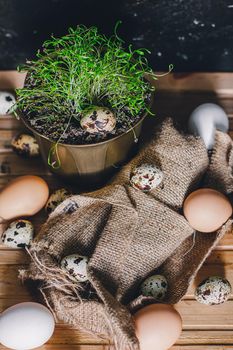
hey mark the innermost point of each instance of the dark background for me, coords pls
(194, 35)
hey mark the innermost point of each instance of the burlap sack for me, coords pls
(129, 235)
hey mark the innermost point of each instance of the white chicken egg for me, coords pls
(19, 234)
(76, 266)
(7, 100)
(26, 326)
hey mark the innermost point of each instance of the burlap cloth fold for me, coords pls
(130, 235)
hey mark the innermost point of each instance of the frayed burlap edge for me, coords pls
(55, 283)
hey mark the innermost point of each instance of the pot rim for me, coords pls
(83, 145)
(26, 123)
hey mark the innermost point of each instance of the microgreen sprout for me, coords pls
(82, 69)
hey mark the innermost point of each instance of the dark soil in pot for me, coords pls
(74, 134)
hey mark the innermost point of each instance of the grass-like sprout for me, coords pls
(82, 69)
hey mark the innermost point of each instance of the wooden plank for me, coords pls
(218, 263)
(37, 221)
(111, 347)
(176, 88)
(202, 347)
(206, 337)
(40, 218)
(198, 316)
(212, 326)
(179, 105)
(68, 335)
(55, 183)
(15, 291)
(11, 286)
(10, 127)
(80, 347)
(10, 163)
(6, 137)
(220, 83)
(51, 346)
(8, 122)
(226, 242)
(11, 80)
(202, 325)
(174, 104)
(5, 140)
(64, 334)
(13, 257)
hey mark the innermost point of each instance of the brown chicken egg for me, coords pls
(157, 326)
(24, 196)
(207, 210)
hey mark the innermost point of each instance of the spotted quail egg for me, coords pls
(98, 119)
(213, 291)
(7, 100)
(56, 198)
(146, 177)
(25, 145)
(155, 286)
(76, 266)
(19, 234)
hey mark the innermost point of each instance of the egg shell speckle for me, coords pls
(25, 145)
(98, 120)
(155, 286)
(7, 100)
(19, 234)
(213, 291)
(76, 266)
(56, 198)
(146, 177)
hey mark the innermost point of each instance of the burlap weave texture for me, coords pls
(130, 235)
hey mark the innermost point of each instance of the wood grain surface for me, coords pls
(204, 328)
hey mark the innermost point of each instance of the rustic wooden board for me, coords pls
(218, 83)
(110, 347)
(205, 328)
(195, 315)
(11, 260)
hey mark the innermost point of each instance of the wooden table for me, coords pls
(205, 328)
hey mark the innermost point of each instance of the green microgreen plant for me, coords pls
(82, 69)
